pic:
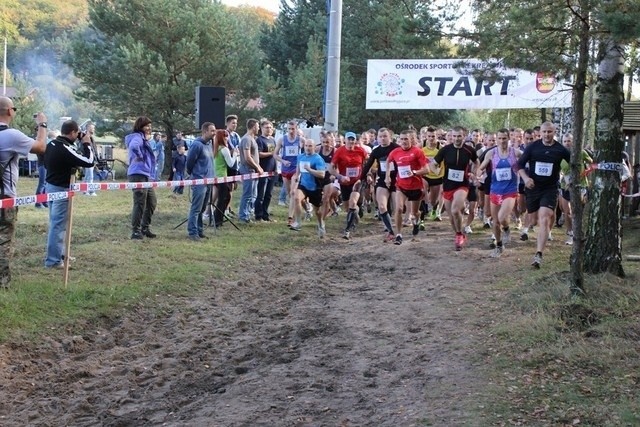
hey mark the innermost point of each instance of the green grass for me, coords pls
(562, 360)
(113, 272)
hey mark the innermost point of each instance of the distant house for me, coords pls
(12, 92)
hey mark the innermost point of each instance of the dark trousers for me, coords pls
(263, 200)
(144, 204)
(224, 197)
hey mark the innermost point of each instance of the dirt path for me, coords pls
(364, 333)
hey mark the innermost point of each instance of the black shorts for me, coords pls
(472, 195)
(315, 196)
(521, 188)
(433, 181)
(413, 195)
(566, 194)
(380, 183)
(327, 179)
(541, 198)
(346, 190)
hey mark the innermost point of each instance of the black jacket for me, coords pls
(61, 158)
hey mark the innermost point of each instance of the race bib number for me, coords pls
(383, 166)
(503, 174)
(303, 167)
(456, 175)
(290, 150)
(405, 172)
(353, 172)
(544, 169)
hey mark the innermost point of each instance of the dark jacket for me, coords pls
(61, 159)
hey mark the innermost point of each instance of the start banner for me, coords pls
(437, 84)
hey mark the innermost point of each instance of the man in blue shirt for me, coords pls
(307, 183)
(199, 166)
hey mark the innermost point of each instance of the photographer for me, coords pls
(61, 160)
(88, 172)
(13, 144)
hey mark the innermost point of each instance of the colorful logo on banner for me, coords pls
(390, 84)
(545, 82)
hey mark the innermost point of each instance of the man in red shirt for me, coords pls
(411, 164)
(346, 166)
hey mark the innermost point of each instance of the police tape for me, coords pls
(605, 166)
(84, 187)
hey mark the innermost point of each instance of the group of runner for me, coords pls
(417, 174)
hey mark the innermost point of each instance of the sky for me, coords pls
(272, 5)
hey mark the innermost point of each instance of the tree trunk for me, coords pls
(577, 208)
(604, 240)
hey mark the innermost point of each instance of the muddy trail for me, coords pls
(345, 334)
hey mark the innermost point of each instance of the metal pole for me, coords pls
(332, 91)
(4, 80)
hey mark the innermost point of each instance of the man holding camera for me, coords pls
(61, 161)
(13, 144)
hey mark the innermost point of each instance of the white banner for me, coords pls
(437, 84)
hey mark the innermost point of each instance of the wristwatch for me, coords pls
(43, 125)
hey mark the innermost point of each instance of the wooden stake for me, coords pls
(67, 237)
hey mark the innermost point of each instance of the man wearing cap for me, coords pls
(13, 144)
(346, 166)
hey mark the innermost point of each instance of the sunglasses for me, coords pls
(14, 109)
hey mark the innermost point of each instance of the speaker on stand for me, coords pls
(210, 106)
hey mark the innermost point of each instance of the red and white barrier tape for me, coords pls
(47, 197)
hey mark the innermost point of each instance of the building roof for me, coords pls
(631, 121)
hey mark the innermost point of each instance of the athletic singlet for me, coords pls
(430, 153)
(504, 176)
(290, 151)
(328, 157)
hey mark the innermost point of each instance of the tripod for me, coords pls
(210, 207)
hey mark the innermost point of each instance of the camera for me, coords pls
(81, 135)
(35, 116)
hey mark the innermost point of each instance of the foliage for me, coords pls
(28, 102)
(175, 46)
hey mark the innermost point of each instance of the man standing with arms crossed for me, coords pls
(249, 163)
(13, 144)
(541, 183)
(200, 166)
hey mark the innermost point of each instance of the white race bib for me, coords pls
(303, 167)
(503, 174)
(383, 166)
(544, 169)
(456, 175)
(290, 150)
(353, 172)
(405, 172)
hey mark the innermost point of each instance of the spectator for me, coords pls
(142, 165)
(88, 172)
(13, 144)
(61, 160)
(249, 163)
(199, 166)
(177, 167)
(266, 147)
(223, 160)
(42, 172)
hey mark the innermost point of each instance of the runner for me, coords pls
(346, 166)
(382, 191)
(307, 183)
(544, 157)
(458, 159)
(286, 152)
(504, 187)
(410, 164)
(433, 181)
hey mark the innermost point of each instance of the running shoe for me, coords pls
(537, 260)
(524, 236)
(569, 240)
(434, 215)
(346, 235)
(492, 242)
(307, 216)
(459, 241)
(506, 235)
(550, 237)
(438, 218)
(497, 252)
(389, 238)
(518, 224)
(281, 203)
(416, 229)
(398, 240)
(360, 212)
(481, 214)
(468, 230)
(321, 232)
(487, 224)
(421, 225)
(295, 226)
(368, 207)
(289, 221)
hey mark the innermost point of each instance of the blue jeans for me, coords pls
(57, 227)
(263, 200)
(159, 167)
(88, 177)
(198, 199)
(249, 194)
(41, 188)
(178, 176)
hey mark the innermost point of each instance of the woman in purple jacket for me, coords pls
(142, 166)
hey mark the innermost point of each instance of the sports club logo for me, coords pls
(545, 82)
(390, 84)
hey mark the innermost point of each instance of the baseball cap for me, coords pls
(350, 135)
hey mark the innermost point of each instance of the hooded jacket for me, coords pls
(142, 161)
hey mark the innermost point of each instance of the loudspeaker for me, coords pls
(210, 106)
